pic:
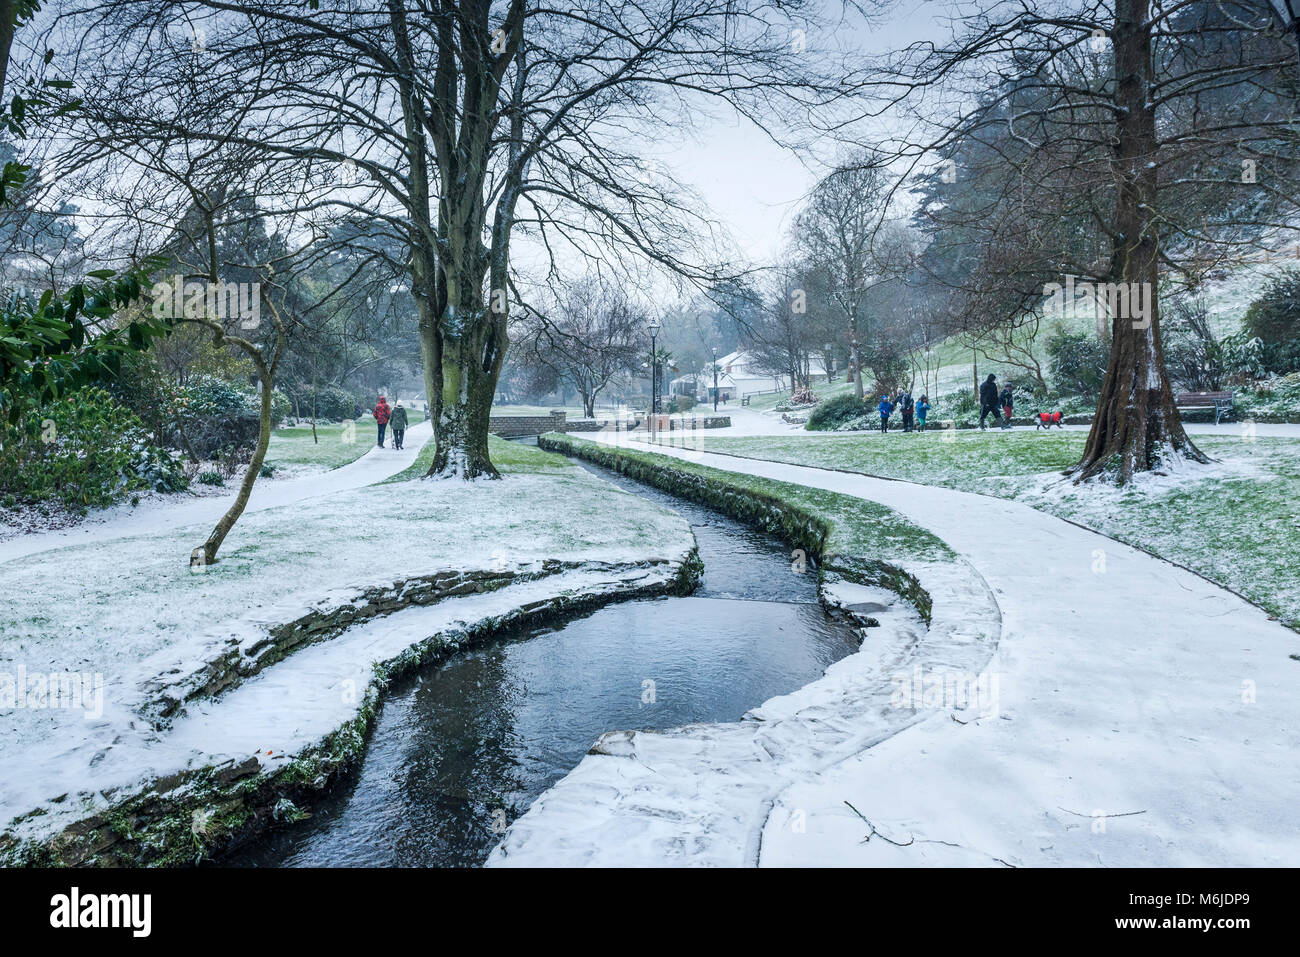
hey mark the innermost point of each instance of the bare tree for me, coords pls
(843, 237)
(1163, 128)
(468, 124)
(589, 332)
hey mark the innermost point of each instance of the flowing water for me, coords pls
(462, 748)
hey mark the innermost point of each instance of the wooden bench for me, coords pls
(1220, 402)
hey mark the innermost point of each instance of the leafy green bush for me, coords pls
(835, 412)
(154, 467)
(211, 478)
(333, 403)
(280, 406)
(1078, 362)
(681, 403)
(1274, 319)
(1271, 399)
(211, 416)
(209, 397)
(1243, 357)
(959, 402)
(84, 450)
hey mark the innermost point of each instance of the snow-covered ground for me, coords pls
(127, 613)
(273, 716)
(1144, 716)
(158, 514)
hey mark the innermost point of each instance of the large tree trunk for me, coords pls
(462, 392)
(1136, 427)
(463, 362)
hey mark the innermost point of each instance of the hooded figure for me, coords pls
(989, 401)
(886, 407)
(382, 414)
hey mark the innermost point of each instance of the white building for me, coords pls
(737, 376)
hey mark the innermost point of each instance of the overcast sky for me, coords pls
(755, 186)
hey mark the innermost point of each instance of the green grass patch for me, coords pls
(337, 445)
(958, 458)
(854, 526)
(507, 456)
(1236, 522)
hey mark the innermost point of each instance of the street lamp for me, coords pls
(715, 380)
(655, 326)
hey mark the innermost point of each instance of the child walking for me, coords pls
(886, 407)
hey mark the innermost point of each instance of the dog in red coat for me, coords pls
(1045, 420)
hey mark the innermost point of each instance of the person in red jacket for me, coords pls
(382, 414)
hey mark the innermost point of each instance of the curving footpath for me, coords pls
(1143, 716)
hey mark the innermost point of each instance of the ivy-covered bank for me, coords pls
(839, 534)
(192, 815)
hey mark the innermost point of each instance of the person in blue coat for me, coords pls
(922, 410)
(886, 408)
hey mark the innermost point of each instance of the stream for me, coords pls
(462, 748)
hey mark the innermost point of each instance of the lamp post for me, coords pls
(655, 326)
(715, 380)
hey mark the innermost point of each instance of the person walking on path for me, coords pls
(886, 407)
(989, 400)
(1007, 401)
(398, 422)
(908, 407)
(922, 410)
(382, 413)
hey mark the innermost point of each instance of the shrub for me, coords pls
(1274, 319)
(85, 450)
(211, 478)
(332, 403)
(1272, 399)
(681, 403)
(835, 412)
(1194, 356)
(211, 416)
(155, 467)
(960, 402)
(1078, 362)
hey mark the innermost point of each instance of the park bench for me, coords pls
(1220, 402)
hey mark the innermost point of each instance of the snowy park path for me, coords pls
(123, 521)
(1144, 716)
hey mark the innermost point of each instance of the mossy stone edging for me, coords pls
(166, 697)
(192, 815)
(763, 510)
